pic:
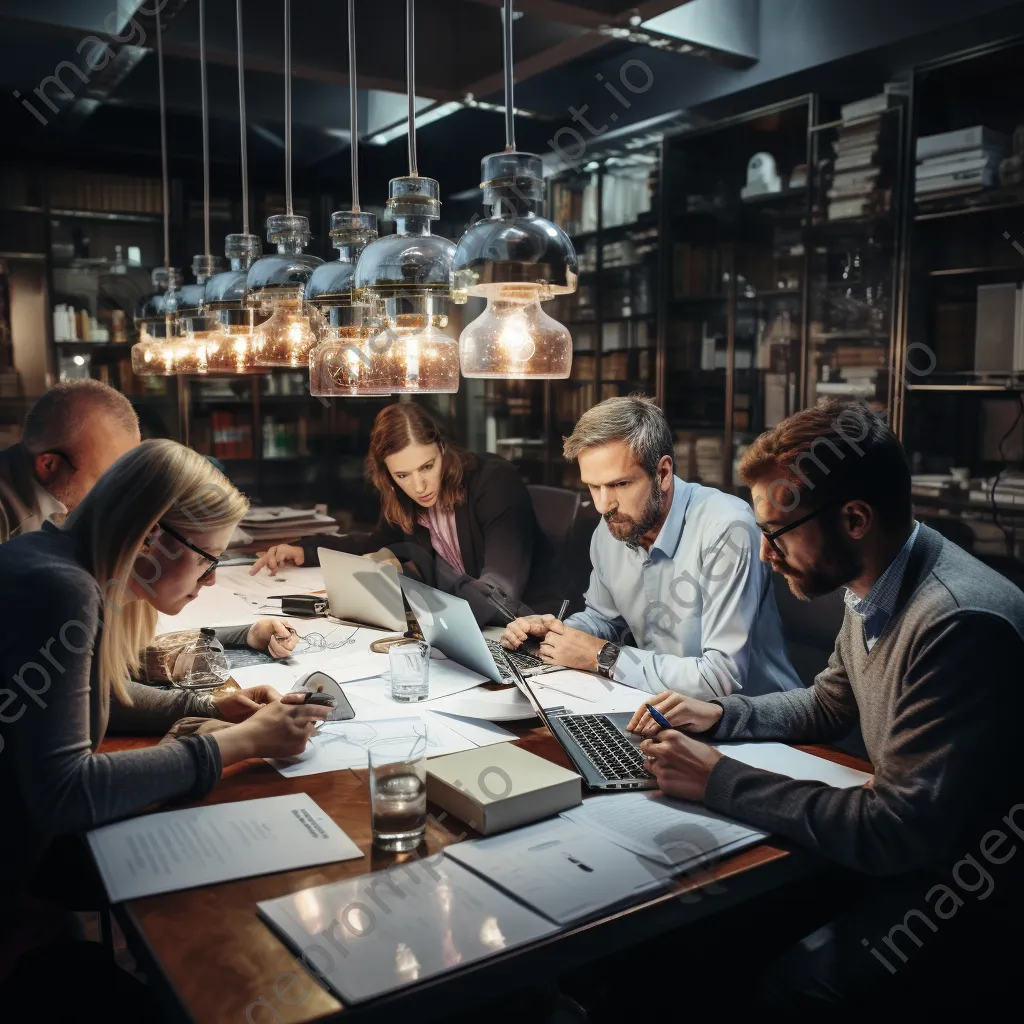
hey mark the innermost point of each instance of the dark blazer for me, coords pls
(501, 544)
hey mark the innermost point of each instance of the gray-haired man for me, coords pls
(675, 569)
(71, 437)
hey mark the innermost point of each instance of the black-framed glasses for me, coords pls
(772, 536)
(61, 455)
(192, 547)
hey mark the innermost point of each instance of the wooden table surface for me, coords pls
(214, 961)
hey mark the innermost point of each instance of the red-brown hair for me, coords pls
(396, 427)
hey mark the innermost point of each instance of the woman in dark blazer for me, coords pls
(461, 522)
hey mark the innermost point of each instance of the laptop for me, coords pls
(603, 752)
(362, 591)
(447, 623)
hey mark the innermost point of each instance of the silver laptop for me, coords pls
(362, 591)
(447, 623)
(600, 747)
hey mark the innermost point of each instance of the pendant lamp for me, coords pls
(155, 316)
(276, 284)
(514, 258)
(407, 277)
(229, 348)
(342, 363)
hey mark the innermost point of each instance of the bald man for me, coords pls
(71, 436)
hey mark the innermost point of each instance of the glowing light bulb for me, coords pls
(514, 337)
(286, 338)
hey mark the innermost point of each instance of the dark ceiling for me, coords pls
(104, 108)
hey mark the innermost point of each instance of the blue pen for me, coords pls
(659, 717)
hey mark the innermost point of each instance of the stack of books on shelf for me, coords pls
(696, 270)
(958, 162)
(574, 205)
(708, 455)
(232, 435)
(854, 191)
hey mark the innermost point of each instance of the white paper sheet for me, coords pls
(797, 764)
(445, 678)
(215, 606)
(289, 580)
(384, 931)
(486, 705)
(562, 870)
(341, 745)
(176, 850)
(586, 693)
(672, 832)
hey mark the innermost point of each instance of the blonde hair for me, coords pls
(157, 481)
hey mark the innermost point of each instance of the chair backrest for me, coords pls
(556, 509)
(810, 628)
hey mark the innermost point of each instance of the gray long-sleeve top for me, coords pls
(54, 713)
(939, 702)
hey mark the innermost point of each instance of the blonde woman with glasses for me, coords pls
(78, 605)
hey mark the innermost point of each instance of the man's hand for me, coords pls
(686, 713)
(518, 631)
(238, 705)
(570, 648)
(681, 765)
(275, 637)
(278, 556)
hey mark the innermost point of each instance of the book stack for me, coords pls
(232, 435)
(958, 162)
(708, 452)
(273, 524)
(854, 191)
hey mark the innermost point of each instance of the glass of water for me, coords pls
(398, 789)
(410, 670)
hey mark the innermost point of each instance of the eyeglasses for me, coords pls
(61, 455)
(192, 547)
(772, 536)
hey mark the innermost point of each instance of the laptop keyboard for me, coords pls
(521, 659)
(611, 753)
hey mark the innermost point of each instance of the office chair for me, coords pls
(562, 517)
(556, 509)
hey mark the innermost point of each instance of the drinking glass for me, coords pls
(398, 788)
(410, 670)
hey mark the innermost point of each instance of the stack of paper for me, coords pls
(960, 161)
(274, 524)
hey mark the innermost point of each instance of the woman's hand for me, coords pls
(686, 713)
(279, 729)
(387, 556)
(275, 637)
(278, 555)
(238, 705)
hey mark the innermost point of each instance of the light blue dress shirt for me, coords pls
(875, 608)
(698, 608)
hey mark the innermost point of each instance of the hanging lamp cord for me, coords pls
(353, 104)
(166, 199)
(510, 127)
(410, 74)
(288, 107)
(241, 118)
(206, 127)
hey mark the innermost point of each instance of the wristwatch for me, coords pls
(606, 658)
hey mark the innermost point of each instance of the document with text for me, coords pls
(196, 846)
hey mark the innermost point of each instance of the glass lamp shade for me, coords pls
(229, 348)
(342, 364)
(155, 320)
(515, 258)
(406, 279)
(276, 285)
(515, 338)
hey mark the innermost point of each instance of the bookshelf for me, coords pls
(962, 389)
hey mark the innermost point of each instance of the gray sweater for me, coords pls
(939, 701)
(53, 713)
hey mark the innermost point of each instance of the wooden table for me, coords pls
(214, 961)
